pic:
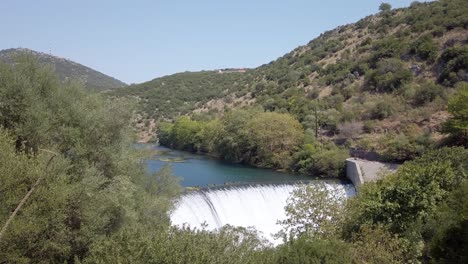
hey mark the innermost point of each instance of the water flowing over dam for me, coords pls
(259, 206)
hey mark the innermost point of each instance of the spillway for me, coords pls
(258, 206)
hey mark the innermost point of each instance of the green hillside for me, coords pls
(65, 69)
(384, 80)
(181, 93)
(75, 189)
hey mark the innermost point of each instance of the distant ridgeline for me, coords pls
(66, 70)
(383, 81)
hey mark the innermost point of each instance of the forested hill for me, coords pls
(392, 72)
(181, 93)
(66, 69)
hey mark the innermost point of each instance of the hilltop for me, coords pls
(380, 84)
(66, 69)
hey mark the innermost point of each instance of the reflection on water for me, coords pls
(203, 171)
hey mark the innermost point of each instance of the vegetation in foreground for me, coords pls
(94, 204)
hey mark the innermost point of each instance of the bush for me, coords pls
(454, 63)
(375, 244)
(397, 148)
(425, 48)
(318, 160)
(450, 239)
(457, 125)
(369, 126)
(409, 144)
(390, 75)
(427, 92)
(308, 250)
(410, 196)
(386, 48)
(382, 110)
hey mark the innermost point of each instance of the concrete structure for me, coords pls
(361, 171)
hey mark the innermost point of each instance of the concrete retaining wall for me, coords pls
(361, 171)
(353, 172)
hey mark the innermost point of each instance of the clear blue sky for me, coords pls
(136, 41)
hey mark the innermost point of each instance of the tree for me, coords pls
(233, 145)
(317, 159)
(275, 137)
(94, 187)
(425, 48)
(313, 210)
(185, 134)
(385, 7)
(389, 76)
(412, 194)
(457, 125)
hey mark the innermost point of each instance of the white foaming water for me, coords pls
(258, 206)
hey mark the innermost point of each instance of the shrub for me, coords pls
(427, 92)
(382, 110)
(390, 47)
(312, 250)
(407, 145)
(350, 130)
(425, 48)
(320, 160)
(390, 75)
(454, 63)
(450, 226)
(457, 125)
(412, 194)
(397, 148)
(375, 244)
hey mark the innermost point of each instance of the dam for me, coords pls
(260, 206)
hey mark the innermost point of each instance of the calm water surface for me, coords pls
(204, 171)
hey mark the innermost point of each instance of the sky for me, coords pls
(136, 41)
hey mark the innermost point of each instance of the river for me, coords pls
(205, 171)
(233, 194)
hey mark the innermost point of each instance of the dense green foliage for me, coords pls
(418, 214)
(458, 107)
(319, 159)
(455, 61)
(425, 48)
(181, 93)
(412, 203)
(180, 246)
(313, 211)
(388, 70)
(263, 139)
(66, 70)
(384, 7)
(95, 204)
(94, 187)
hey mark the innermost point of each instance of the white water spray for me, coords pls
(258, 206)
